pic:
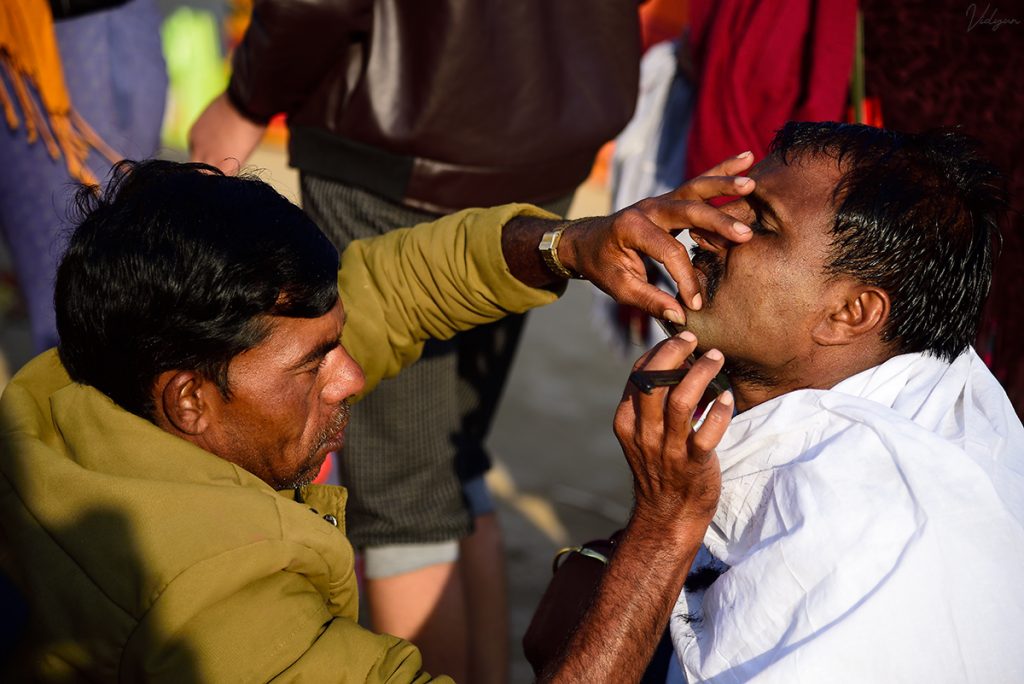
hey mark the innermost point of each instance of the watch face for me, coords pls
(548, 242)
(549, 251)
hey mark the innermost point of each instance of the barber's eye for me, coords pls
(316, 366)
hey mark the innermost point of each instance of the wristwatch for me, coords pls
(549, 250)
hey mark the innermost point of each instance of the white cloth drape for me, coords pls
(873, 532)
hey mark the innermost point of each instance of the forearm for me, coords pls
(430, 281)
(676, 483)
(520, 244)
(618, 635)
(520, 240)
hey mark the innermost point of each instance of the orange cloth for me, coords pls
(29, 57)
(662, 20)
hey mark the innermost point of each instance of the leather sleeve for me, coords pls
(289, 48)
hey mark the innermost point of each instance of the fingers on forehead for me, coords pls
(678, 214)
(709, 218)
(724, 186)
(668, 213)
(731, 166)
(708, 187)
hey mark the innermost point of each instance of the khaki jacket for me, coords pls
(144, 557)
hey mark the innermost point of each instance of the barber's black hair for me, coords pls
(177, 267)
(915, 215)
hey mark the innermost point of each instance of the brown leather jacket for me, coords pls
(443, 104)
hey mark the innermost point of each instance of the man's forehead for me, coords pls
(291, 340)
(799, 189)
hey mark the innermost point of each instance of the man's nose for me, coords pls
(344, 380)
(715, 243)
(740, 210)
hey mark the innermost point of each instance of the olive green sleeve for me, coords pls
(430, 281)
(274, 628)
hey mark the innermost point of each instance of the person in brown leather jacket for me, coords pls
(399, 112)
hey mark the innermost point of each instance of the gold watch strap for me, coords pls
(549, 250)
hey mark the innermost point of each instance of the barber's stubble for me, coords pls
(311, 467)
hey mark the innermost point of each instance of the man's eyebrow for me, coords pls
(317, 353)
(761, 205)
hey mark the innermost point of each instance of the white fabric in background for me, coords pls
(637, 170)
(874, 533)
(649, 159)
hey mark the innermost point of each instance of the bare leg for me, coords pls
(482, 565)
(427, 607)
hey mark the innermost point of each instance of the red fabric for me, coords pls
(870, 113)
(325, 469)
(761, 64)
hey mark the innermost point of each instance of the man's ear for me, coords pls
(183, 402)
(857, 311)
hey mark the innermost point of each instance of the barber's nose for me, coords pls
(344, 379)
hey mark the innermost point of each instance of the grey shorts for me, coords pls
(416, 438)
(398, 559)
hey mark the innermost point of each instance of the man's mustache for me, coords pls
(334, 425)
(712, 266)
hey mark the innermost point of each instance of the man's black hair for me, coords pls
(177, 267)
(915, 215)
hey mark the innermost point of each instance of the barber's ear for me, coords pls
(861, 310)
(184, 401)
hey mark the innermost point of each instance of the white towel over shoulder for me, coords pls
(874, 533)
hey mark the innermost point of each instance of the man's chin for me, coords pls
(697, 323)
(302, 482)
(304, 478)
(310, 471)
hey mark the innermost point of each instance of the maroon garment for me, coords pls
(933, 64)
(761, 64)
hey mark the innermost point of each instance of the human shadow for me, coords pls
(73, 593)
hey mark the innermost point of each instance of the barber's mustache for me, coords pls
(334, 425)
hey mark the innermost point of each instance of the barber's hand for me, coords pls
(222, 137)
(676, 475)
(607, 250)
